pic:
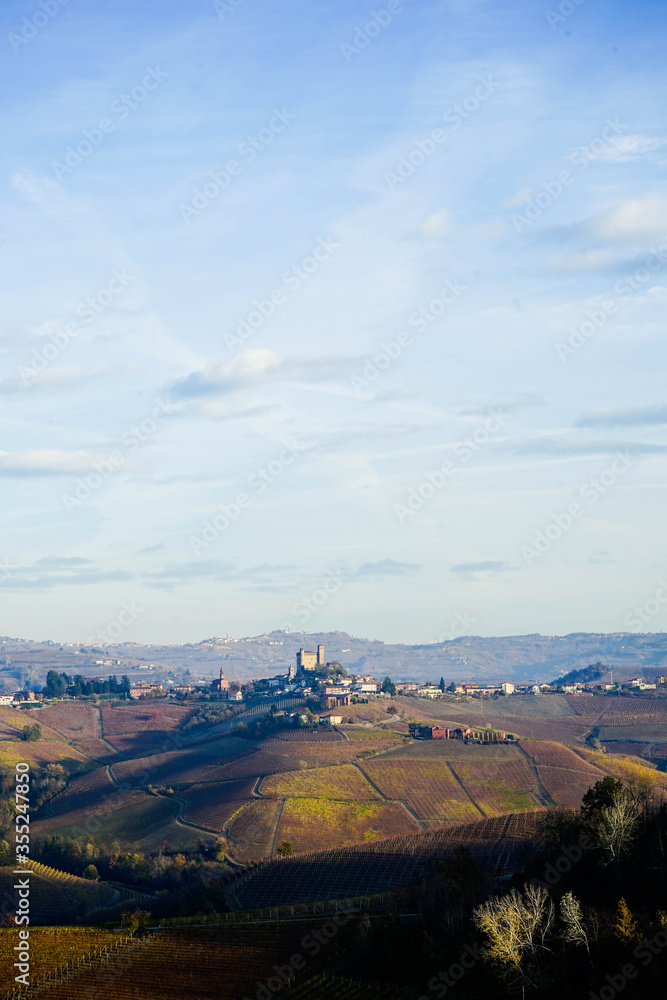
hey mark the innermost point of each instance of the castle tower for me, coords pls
(320, 655)
(224, 683)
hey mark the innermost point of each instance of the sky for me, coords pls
(332, 317)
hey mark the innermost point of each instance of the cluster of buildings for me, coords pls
(471, 735)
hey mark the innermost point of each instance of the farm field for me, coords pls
(620, 710)
(134, 718)
(85, 791)
(251, 831)
(97, 749)
(499, 788)
(344, 782)
(40, 753)
(13, 720)
(636, 732)
(308, 736)
(213, 806)
(73, 720)
(454, 750)
(317, 824)
(532, 718)
(222, 963)
(428, 787)
(379, 865)
(136, 820)
(50, 947)
(629, 769)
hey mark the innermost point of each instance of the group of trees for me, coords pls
(77, 686)
(31, 733)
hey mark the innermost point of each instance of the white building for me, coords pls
(507, 687)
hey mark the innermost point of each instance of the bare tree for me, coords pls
(574, 931)
(517, 927)
(615, 825)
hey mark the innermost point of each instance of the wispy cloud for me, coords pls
(639, 416)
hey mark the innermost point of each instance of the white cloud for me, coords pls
(53, 378)
(623, 148)
(518, 199)
(592, 260)
(635, 219)
(46, 461)
(436, 226)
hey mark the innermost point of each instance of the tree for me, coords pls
(574, 931)
(56, 684)
(612, 811)
(442, 684)
(388, 686)
(452, 688)
(516, 927)
(32, 733)
(285, 849)
(625, 928)
(136, 921)
(91, 872)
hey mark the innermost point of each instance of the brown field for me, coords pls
(344, 782)
(213, 806)
(125, 718)
(73, 720)
(455, 750)
(250, 832)
(84, 791)
(318, 824)
(200, 762)
(138, 821)
(97, 749)
(39, 754)
(308, 736)
(428, 787)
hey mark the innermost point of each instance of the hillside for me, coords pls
(490, 658)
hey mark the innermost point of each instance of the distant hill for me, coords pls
(484, 658)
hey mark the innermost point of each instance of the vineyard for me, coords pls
(58, 895)
(499, 788)
(455, 750)
(222, 963)
(428, 787)
(318, 824)
(251, 831)
(121, 719)
(73, 720)
(50, 947)
(342, 782)
(308, 736)
(380, 865)
(213, 805)
(84, 791)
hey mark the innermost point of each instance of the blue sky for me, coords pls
(332, 317)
